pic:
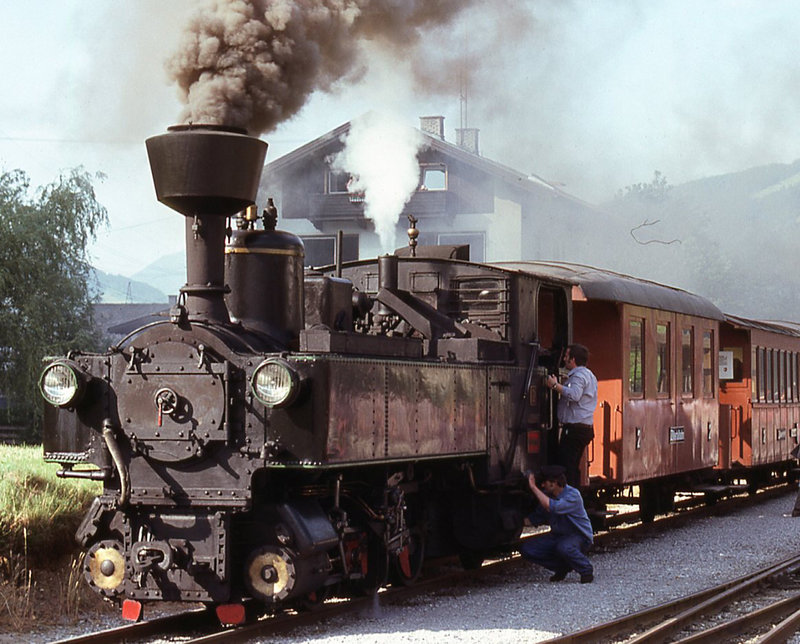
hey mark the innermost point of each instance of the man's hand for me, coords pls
(543, 499)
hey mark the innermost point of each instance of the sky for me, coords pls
(589, 95)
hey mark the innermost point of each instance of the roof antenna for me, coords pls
(462, 81)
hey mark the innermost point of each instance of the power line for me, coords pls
(31, 139)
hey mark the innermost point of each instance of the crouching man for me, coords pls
(564, 548)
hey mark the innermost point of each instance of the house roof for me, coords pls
(121, 319)
(527, 182)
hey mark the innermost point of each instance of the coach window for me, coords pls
(776, 387)
(793, 376)
(761, 384)
(782, 375)
(662, 359)
(687, 362)
(636, 357)
(767, 375)
(708, 363)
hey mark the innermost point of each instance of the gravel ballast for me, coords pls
(521, 605)
(526, 607)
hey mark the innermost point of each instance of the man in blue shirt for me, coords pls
(575, 410)
(564, 548)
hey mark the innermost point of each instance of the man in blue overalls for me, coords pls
(564, 548)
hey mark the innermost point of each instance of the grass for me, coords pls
(39, 512)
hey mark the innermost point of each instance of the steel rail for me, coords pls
(782, 631)
(755, 619)
(179, 622)
(675, 614)
(722, 597)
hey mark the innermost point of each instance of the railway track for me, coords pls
(203, 627)
(766, 602)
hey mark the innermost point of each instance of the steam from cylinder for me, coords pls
(253, 63)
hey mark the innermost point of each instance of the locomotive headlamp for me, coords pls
(62, 383)
(275, 383)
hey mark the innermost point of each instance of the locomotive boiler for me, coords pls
(288, 434)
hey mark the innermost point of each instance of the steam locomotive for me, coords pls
(285, 435)
(289, 434)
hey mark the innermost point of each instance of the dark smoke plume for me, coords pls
(253, 64)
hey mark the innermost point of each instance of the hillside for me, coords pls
(154, 283)
(167, 273)
(731, 238)
(118, 289)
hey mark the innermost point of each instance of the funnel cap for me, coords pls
(206, 170)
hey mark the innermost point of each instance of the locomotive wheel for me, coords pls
(269, 574)
(407, 564)
(377, 567)
(104, 567)
(314, 599)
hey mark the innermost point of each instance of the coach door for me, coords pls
(695, 437)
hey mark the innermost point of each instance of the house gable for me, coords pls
(460, 193)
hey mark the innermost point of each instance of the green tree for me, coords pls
(657, 191)
(45, 296)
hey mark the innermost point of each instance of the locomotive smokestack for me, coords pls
(206, 173)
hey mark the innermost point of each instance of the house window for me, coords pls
(320, 250)
(433, 177)
(337, 182)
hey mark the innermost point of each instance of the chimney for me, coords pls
(433, 125)
(467, 138)
(206, 173)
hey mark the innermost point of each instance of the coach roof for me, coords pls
(600, 284)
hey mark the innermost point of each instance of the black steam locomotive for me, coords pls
(288, 434)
